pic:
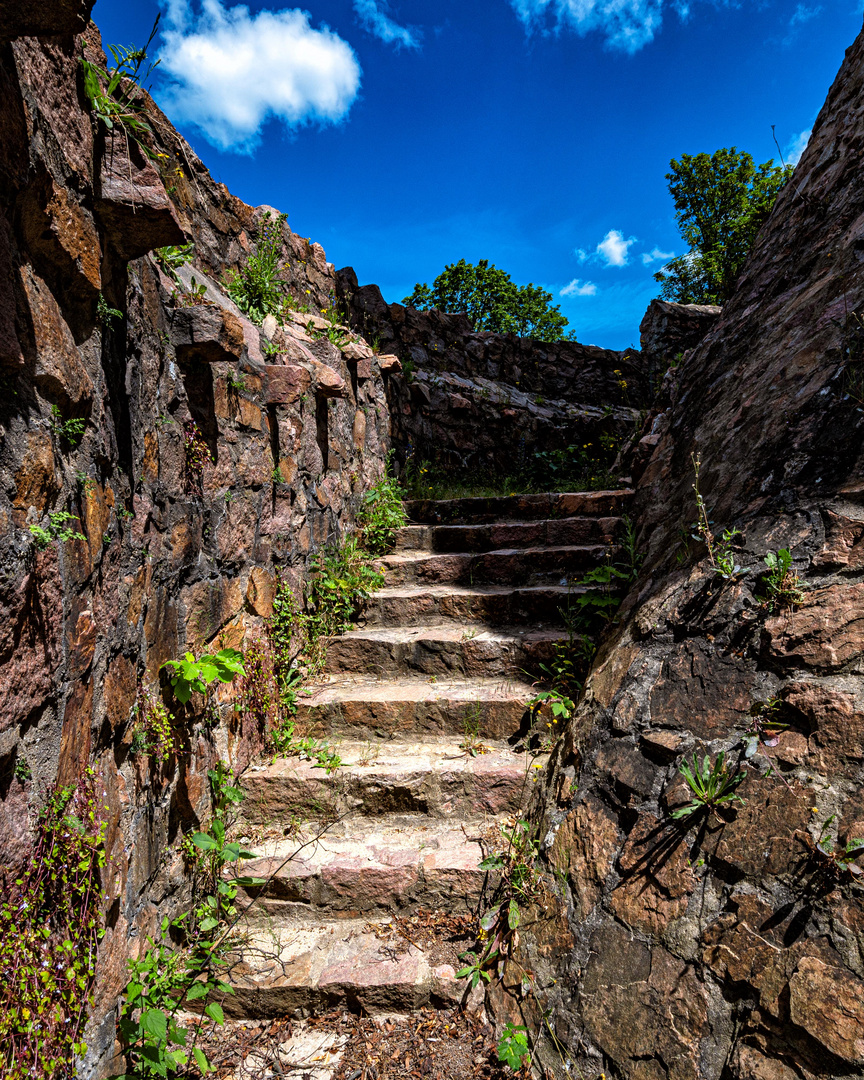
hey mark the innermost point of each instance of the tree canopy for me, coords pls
(492, 301)
(721, 202)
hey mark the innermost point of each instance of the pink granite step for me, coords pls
(478, 511)
(365, 707)
(522, 566)
(369, 867)
(436, 779)
(471, 652)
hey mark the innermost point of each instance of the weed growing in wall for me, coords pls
(50, 926)
(782, 584)
(713, 786)
(720, 553)
(257, 288)
(116, 100)
(70, 431)
(344, 579)
(197, 455)
(153, 727)
(57, 530)
(173, 257)
(382, 512)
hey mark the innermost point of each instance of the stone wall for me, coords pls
(727, 946)
(172, 558)
(470, 400)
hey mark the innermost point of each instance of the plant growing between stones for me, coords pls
(256, 287)
(191, 675)
(513, 1047)
(173, 257)
(196, 456)
(764, 731)
(72, 431)
(838, 859)
(115, 96)
(782, 584)
(105, 313)
(50, 927)
(382, 512)
(471, 743)
(153, 727)
(58, 530)
(713, 786)
(344, 579)
(720, 553)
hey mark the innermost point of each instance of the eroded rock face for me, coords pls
(726, 945)
(175, 555)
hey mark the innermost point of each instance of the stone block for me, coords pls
(206, 332)
(285, 383)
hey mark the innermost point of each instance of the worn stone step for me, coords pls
(522, 566)
(471, 651)
(299, 970)
(480, 511)
(494, 605)
(368, 867)
(436, 778)
(365, 707)
(508, 534)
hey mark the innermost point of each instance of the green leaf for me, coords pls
(250, 882)
(201, 1060)
(197, 990)
(513, 915)
(204, 842)
(214, 1011)
(155, 1023)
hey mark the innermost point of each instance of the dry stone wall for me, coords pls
(470, 400)
(728, 946)
(174, 556)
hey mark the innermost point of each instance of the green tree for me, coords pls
(492, 301)
(721, 202)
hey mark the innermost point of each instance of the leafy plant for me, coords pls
(51, 923)
(57, 530)
(22, 769)
(115, 95)
(153, 729)
(172, 257)
(713, 786)
(720, 553)
(475, 969)
(191, 675)
(105, 313)
(382, 513)
(782, 582)
(256, 287)
(344, 579)
(840, 858)
(70, 430)
(513, 1047)
(471, 743)
(194, 296)
(196, 455)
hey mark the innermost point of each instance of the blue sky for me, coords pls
(533, 133)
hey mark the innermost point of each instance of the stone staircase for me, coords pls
(470, 608)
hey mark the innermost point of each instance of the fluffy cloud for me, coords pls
(374, 18)
(612, 249)
(652, 256)
(626, 24)
(231, 70)
(576, 288)
(796, 147)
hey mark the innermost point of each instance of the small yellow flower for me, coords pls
(814, 809)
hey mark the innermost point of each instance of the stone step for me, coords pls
(508, 534)
(365, 707)
(480, 511)
(473, 651)
(368, 867)
(522, 566)
(298, 970)
(436, 779)
(494, 605)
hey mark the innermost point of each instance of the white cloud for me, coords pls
(626, 24)
(613, 248)
(232, 70)
(796, 147)
(651, 256)
(576, 288)
(803, 14)
(374, 18)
